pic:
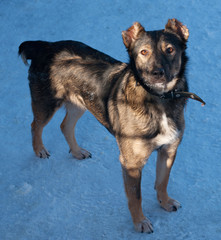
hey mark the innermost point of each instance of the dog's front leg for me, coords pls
(132, 183)
(165, 160)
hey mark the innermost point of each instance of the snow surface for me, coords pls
(62, 198)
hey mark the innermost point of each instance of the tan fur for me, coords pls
(165, 160)
(132, 34)
(73, 114)
(178, 27)
(132, 178)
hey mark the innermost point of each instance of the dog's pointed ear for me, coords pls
(173, 25)
(132, 33)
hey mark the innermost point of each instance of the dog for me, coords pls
(140, 102)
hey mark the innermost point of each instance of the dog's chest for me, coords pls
(168, 132)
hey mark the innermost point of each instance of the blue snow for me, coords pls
(62, 198)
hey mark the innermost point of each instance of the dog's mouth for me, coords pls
(158, 81)
(160, 85)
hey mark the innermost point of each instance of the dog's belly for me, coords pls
(168, 135)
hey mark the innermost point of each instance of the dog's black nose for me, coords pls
(158, 72)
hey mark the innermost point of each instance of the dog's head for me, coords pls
(158, 57)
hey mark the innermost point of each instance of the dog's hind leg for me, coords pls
(41, 118)
(74, 112)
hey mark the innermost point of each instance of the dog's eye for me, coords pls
(144, 52)
(170, 50)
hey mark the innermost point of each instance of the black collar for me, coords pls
(175, 94)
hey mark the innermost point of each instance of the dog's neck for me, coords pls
(176, 93)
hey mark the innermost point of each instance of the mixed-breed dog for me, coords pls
(141, 102)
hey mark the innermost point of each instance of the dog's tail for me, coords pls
(31, 49)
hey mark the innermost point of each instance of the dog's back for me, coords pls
(32, 50)
(62, 71)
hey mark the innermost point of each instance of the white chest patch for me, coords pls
(169, 133)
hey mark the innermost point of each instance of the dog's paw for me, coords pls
(81, 154)
(170, 205)
(144, 226)
(42, 152)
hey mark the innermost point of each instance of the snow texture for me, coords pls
(63, 198)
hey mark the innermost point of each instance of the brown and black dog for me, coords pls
(134, 101)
